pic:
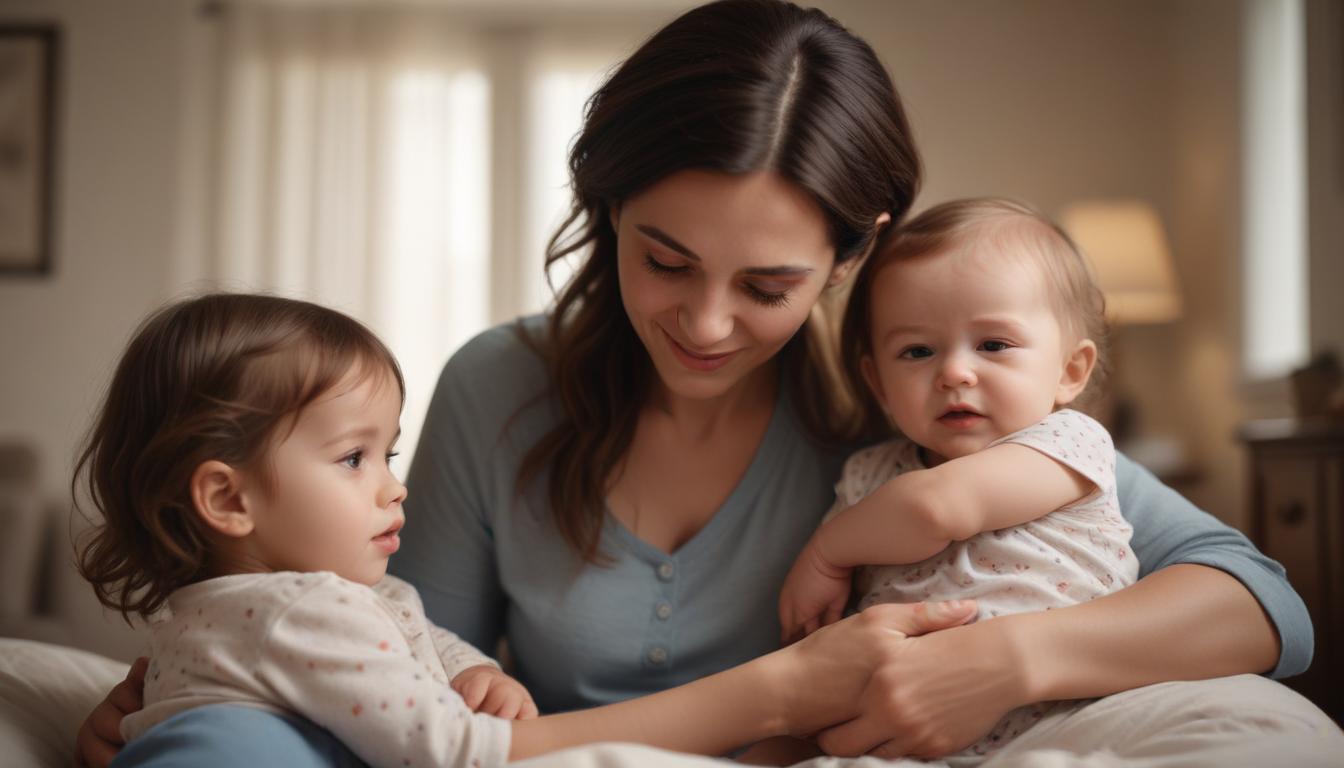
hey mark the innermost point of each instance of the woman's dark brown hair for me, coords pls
(736, 86)
(1022, 232)
(207, 378)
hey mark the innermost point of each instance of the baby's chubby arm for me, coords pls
(914, 516)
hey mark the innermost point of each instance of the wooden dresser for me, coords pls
(1297, 518)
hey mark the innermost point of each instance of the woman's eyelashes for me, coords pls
(756, 293)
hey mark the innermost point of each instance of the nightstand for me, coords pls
(1297, 518)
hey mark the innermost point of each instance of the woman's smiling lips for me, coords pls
(698, 362)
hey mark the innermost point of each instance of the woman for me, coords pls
(620, 488)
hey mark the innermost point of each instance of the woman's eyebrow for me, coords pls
(667, 240)
(659, 235)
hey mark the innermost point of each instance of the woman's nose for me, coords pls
(706, 320)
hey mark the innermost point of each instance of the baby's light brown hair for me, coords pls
(213, 377)
(1023, 232)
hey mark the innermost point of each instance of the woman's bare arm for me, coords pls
(938, 693)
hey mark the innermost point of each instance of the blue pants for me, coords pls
(222, 735)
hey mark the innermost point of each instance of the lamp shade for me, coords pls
(1124, 242)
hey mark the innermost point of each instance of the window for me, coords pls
(1274, 275)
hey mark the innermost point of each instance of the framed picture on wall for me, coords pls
(28, 55)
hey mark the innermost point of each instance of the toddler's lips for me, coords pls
(389, 541)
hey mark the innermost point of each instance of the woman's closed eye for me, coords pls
(757, 293)
(659, 268)
(767, 298)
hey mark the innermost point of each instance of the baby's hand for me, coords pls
(486, 689)
(814, 595)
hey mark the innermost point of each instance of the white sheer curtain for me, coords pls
(404, 164)
(352, 169)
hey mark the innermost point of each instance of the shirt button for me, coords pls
(665, 571)
(664, 610)
(658, 655)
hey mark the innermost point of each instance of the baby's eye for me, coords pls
(994, 346)
(390, 456)
(917, 352)
(354, 460)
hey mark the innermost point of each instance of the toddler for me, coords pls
(971, 329)
(240, 466)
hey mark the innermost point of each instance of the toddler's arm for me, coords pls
(338, 658)
(914, 516)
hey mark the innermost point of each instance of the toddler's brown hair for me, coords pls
(213, 377)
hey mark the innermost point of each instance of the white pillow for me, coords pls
(46, 691)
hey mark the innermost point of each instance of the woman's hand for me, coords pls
(935, 694)
(488, 690)
(814, 594)
(99, 738)
(835, 671)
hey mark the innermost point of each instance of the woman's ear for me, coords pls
(614, 214)
(1077, 370)
(843, 270)
(874, 382)
(217, 494)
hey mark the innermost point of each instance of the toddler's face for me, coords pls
(966, 347)
(334, 504)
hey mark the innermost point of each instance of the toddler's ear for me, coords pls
(1077, 370)
(217, 494)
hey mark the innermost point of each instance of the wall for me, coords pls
(116, 217)
(1325, 184)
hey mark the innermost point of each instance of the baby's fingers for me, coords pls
(474, 691)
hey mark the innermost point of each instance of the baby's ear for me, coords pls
(217, 494)
(1078, 367)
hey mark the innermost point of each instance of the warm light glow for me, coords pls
(1124, 242)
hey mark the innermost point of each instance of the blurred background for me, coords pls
(405, 162)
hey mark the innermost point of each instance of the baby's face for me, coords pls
(334, 504)
(966, 347)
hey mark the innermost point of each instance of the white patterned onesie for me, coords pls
(362, 662)
(1071, 555)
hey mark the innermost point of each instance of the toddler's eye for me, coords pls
(354, 460)
(916, 352)
(994, 346)
(390, 456)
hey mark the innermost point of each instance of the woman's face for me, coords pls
(717, 272)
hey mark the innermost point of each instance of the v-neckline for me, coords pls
(738, 500)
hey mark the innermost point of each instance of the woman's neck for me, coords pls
(701, 418)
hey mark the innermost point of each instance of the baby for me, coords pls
(240, 464)
(972, 329)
